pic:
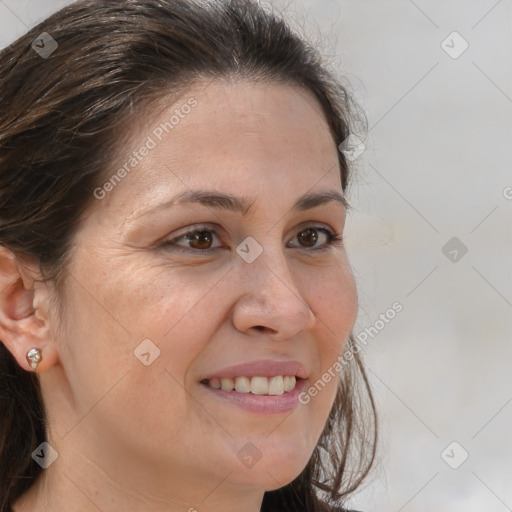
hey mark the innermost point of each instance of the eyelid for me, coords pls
(202, 226)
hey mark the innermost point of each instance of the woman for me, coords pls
(176, 302)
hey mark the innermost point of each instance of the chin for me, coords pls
(275, 469)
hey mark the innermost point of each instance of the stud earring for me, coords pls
(34, 357)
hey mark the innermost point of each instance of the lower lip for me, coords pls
(262, 404)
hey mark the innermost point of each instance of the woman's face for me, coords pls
(148, 317)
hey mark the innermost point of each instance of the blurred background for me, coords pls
(430, 229)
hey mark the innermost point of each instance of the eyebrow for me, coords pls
(220, 200)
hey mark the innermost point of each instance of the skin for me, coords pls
(134, 437)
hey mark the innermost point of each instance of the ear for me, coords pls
(24, 312)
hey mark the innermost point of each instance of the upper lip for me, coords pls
(261, 368)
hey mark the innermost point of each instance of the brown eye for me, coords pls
(316, 238)
(308, 237)
(200, 239)
(203, 240)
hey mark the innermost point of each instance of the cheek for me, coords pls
(333, 300)
(180, 310)
(108, 314)
(170, 306)
(175, 314)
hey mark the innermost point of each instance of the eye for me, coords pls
(199, 240)
(310, 236)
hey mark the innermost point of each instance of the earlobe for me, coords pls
(23, 330)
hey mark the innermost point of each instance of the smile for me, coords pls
(262, 395)
(257, 385)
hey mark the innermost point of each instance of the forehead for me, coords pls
(236, 136)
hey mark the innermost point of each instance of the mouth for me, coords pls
(264, 387)
(257, 394)
(257, 385)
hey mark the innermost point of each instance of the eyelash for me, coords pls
(333, 240)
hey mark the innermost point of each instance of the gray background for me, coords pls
(436, 165)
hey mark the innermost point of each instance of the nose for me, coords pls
(271, 299)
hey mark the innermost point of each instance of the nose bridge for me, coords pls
(270, 270)
(270, 296)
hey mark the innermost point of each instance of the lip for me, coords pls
(261, 404)
(261, 368)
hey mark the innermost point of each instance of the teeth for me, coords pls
(227, 384)
(215, 383)
(256, 385)
(242, 385)
(276, 386)
(259, 385)
(289, 383)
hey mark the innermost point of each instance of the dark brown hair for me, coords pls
(61, 116)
